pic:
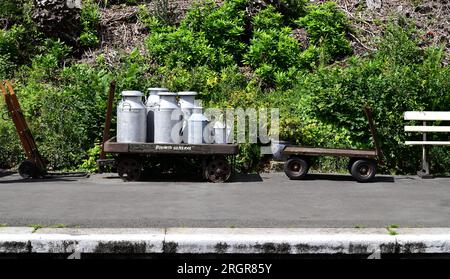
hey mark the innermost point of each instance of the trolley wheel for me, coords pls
(217, 170)
(129, 169)
(28, 169)
(363, 170)
(350, 164)
(296, 168)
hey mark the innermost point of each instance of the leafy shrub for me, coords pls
(290, 9)
(209, 35)
(223, 25)
(90, 163)
(173, 47)
(335, 96)
(62, 114)
(11, 44)
(326, 26)
(273, 52)
(400, 44)
(267, 18)
(45, 64)
(10, 149)
(166, 12)
(13, 12)
(90, 17)
(6, 66)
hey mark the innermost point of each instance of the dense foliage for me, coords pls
(236, 54)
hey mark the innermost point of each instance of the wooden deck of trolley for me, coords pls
(112, 146)
(337, 152)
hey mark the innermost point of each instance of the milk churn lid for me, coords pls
(198, 117)
(219, 125)
(132, 93)
(157, 89)
(187, 93)
(166, 93)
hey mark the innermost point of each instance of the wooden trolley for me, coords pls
(133, 159)
(362, 165)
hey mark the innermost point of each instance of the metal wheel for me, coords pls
(217, 170)
(296, 168)
(28, 169)
(129, 169)
(363, 170)
(350, 164)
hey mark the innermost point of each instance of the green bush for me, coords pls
(11, 44)
(66, 114)
(90, 18)
(326, 26)
(290, 9)
(273, 52)
(173, 47)
(6, 66)
(209, 35)
(13, 12)
(335, 95)
(223, 26)
(10, 150)
(267, 18)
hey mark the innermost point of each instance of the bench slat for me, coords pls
(427, 142)
(427, 128)
(427, 115)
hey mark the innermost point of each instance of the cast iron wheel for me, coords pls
(28, 169)
(364, 170)
(217, 170)
(296, 168)
(129, 169)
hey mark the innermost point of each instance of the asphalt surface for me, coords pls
(265, 200)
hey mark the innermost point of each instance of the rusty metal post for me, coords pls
(112, 89)
(425, 172)
(373, 131)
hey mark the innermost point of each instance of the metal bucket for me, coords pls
(152, 104)
(131, 118)
(277, 147)
(168, 121)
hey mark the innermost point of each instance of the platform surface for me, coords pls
(265, 200)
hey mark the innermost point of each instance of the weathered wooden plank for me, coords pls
(187, 149)
(427, 115)
(427, 128)
(427, 142)
(312, 151)
(114, 147)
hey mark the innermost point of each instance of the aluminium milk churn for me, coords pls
(196, 127)
(220, 133)
(152, 103)
(168, 121)
(187, 103)
(131, 118)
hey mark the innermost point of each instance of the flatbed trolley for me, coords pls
(362, 165)
(212, 160)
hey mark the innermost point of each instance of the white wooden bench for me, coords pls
(425, 116)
